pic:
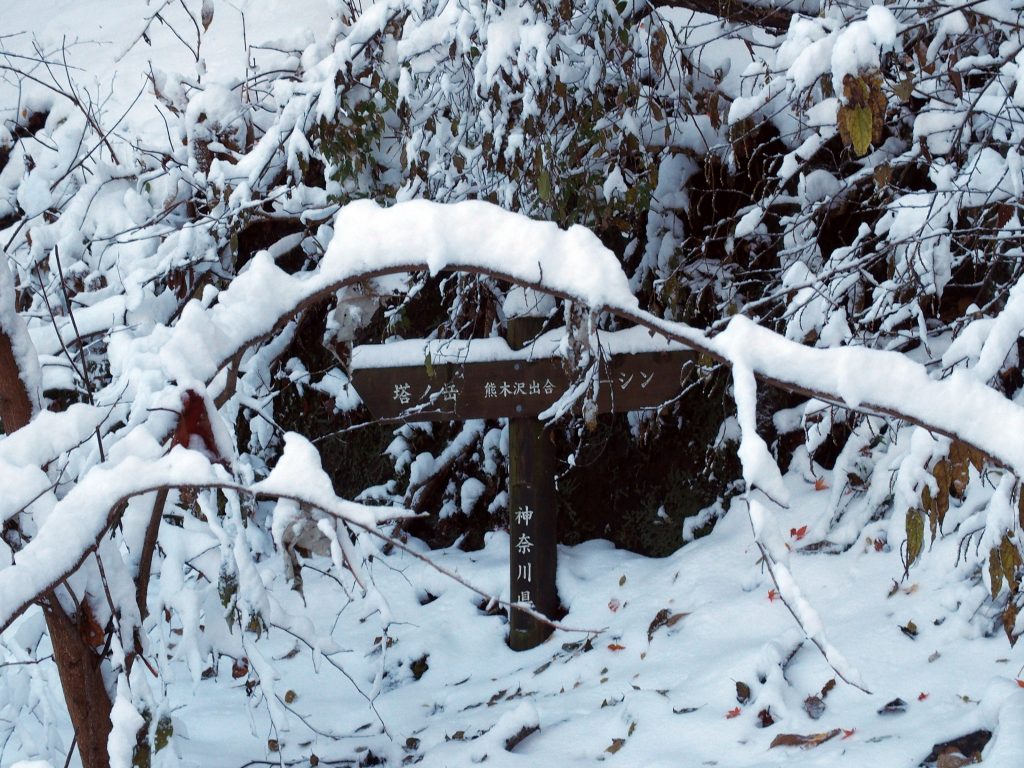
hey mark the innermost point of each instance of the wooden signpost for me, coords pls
(518, 381)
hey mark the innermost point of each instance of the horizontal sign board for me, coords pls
(514, 388)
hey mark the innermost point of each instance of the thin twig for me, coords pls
(769, 564)
(86, 379)
(143, 34)
(71, 750)
(343, 671)
(29, 662)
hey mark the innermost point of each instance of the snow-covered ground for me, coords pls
(656, 686)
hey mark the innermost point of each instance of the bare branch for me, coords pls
(773, 18)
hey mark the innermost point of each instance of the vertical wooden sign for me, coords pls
(532, 514)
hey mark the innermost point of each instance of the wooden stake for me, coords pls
(532, 510)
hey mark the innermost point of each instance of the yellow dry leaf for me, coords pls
(915, 536)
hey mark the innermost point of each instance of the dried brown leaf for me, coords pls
(955, 78)
(960, 461)
(742, 692)
(814, 706)
(904, 89)
(883, 176)
(206, 14)
(664, 618)
(953, 760)
(803, 741)
(995, 572)
(1010, 621)
(240, 668)
(615, 746)
(1011, 562)
(713, 110)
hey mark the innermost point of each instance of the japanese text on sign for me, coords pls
(524, 545)
(402, 393)
(625, 379)
(518, 388)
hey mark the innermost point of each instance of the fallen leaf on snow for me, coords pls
(802, 741)
(820, 484)
(798, 533)
(514, 740)
(240, 668)
(894, 707)
(954, 760)
(742, 692)
(664, 618)
(616, 647)
(814, 707)
(734, 712)
(848, 732)
(772, 595)
(922, 696)
(963, 750)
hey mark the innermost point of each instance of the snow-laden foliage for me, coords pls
(851, 182)
(892, 214)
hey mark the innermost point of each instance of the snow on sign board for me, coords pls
(462, 386)
(489, 379)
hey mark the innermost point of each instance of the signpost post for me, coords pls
(518, 383)
(532, 508)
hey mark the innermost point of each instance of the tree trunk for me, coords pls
(15, 404)
(85, 694)
(78, 664)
